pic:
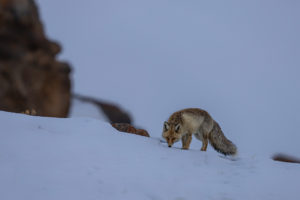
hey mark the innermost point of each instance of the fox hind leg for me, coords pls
(200, 135)
(204, 144)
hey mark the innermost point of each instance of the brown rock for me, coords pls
(127, 128)
(142, 132)
(30, 75)
(286, 158)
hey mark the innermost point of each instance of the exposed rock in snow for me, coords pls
(127, 128)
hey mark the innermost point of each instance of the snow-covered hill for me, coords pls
(84, 158)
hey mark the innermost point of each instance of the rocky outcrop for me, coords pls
(31, 78)
(30, 75)
(127, 128)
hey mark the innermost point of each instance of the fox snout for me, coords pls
(170, 142)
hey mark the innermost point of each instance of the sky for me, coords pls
(237, 60)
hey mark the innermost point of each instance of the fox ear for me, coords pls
(166, 126)
(177, 127)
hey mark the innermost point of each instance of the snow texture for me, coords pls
(84, 158)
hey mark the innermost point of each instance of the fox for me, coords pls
(182, 124)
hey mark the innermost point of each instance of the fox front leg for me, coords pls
(186, 141)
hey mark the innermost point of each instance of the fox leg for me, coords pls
(186, 141)
(203, 137)
(204, 144)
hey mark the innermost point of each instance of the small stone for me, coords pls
(128, 128)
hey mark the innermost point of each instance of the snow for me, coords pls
(85, 158)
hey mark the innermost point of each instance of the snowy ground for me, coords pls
(84, 158)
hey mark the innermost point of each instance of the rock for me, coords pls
(142, 132)
(31, 78)
(127, 128)
(285, 158)
(30, 75)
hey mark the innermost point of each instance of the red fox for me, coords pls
(194, 121)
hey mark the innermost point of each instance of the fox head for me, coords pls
(171, 132)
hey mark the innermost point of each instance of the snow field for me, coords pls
(84, 158)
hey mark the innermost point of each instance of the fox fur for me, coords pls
(182, 124)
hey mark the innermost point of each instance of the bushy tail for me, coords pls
(219, 142)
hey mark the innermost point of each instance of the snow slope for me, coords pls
(84, 158)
